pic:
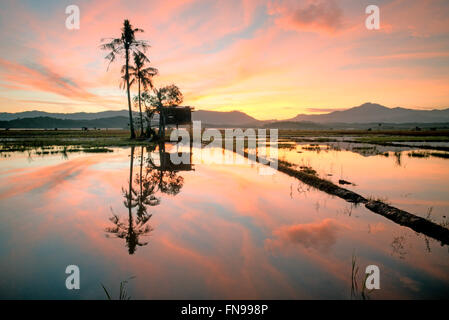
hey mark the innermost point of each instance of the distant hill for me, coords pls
(48, 123)
(299, 125)
(365, 115)
(371, 113)
(236, 118)
(69, 116)
(207, 117)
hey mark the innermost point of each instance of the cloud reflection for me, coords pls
(320, 236)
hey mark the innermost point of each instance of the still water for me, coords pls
(215, 231)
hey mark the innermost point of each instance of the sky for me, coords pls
(271, 59)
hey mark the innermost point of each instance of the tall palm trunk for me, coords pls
(131, 125)
(140, 109)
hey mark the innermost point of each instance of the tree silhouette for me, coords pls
(167, 181)
(143, 76)
(168, 96)
(123, 46)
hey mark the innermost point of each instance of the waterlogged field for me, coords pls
(414, 180)
(218, 231)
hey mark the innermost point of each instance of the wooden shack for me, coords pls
(178, 115)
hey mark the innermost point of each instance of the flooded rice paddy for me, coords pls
(218, 231)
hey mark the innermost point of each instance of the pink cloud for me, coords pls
(315, 15)
(319, 235)
(232, 55)
(43, 79)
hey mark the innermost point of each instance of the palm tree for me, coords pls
(143, 76)
(123, 46)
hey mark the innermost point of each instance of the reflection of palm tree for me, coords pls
(145, 196)
(149, 180)
(129, 230)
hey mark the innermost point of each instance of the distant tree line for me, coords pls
(48, 122)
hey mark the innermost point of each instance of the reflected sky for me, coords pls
(227, 232)
(413, 184)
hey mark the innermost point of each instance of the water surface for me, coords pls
(210, 231)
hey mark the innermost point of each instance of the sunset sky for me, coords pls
(270, 59)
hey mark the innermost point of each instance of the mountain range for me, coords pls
(372, 112)
(363, 114)
(236, 118)
(5, 116)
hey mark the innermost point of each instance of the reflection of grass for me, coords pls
(422, 154)
(308, 170)
(22, 140)
(123, 293)
(285, 145)
(397, 134)
(393, 138)
(91, 150)
(354, 273)
(46, 150)
(363, 148)
(312, 147)
(355, 291)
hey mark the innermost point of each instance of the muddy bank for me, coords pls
(404, 218)
(320, 184)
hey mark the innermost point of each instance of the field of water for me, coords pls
(218, 231)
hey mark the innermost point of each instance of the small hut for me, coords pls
(178, 115)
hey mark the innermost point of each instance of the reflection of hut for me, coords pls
(175, 116)
(168, 165)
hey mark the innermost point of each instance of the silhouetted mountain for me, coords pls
(371, 112)
(48, 123)
(299, 125)
(207, 117)
(68, 116)
(236, 118)
(367, 113)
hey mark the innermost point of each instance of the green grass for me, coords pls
(22, 140)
